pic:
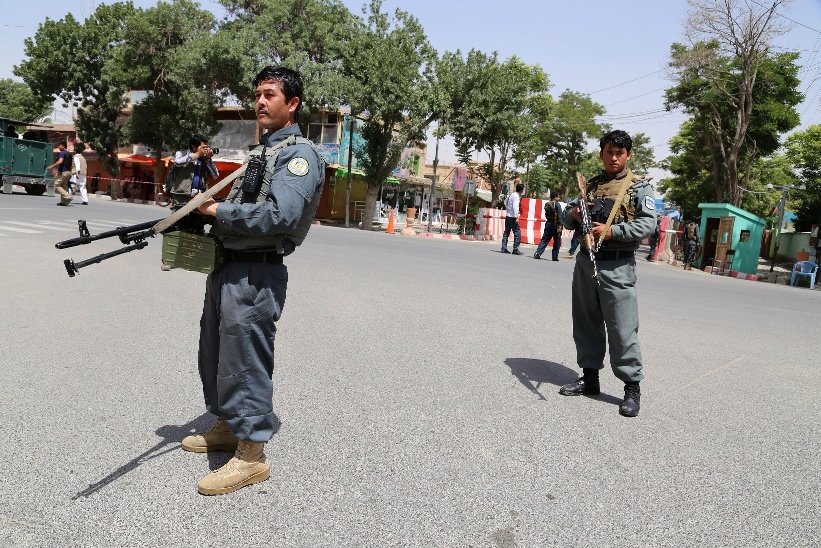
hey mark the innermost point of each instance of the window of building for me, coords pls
(322, 128)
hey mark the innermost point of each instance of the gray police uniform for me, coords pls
(613, 302)
(245, 297)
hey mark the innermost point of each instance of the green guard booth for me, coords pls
(730, 237)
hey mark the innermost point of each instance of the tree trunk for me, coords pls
(494, 187)
(370, 205)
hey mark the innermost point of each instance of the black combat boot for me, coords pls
(587, 384)
(630, 406)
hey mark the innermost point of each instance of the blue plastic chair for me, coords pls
(804, 268)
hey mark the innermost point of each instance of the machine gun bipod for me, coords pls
(134, 234)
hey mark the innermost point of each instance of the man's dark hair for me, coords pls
(553, 194)
(520, 187)
(63, 143)
(289, 80)
(79, 147)
(196, 140)
(617, 138)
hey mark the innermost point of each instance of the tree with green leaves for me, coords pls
(489, 106)
(716, 78)
(390, 69)
(72, 61)
(697, 165)
(18, 102)
(565, 139)
(310, 36)
(164, 52)
(804, 152)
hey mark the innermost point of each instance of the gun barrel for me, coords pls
(120, 231)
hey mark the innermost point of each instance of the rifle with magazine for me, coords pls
(587, 224)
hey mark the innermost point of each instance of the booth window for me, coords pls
(745, 236)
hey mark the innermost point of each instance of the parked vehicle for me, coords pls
(24, 158)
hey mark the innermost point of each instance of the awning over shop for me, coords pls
(342, 172)
(483, 194)
(137, 159)
(227, 167)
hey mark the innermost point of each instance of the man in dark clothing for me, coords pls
(62, 173)
(690, 241)
(552, 227)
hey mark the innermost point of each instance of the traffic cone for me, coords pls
(390, 223)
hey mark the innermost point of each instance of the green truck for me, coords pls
(24, 158)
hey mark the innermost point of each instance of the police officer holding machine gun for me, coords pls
(615, 212)
(267, 214)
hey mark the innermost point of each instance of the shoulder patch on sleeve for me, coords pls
(650, 203)
(298, 166)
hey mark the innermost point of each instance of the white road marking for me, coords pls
(20, 230)
(33, 225)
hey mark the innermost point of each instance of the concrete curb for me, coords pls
(731, 274)
(445, 236)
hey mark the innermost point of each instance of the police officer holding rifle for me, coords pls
(621, 212)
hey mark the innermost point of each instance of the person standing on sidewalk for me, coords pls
(609, 301)
(512, 220)
(690, 241)
(62, 173)
(552, 227)
(266, 215)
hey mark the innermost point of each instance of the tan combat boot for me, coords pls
(246, 467)
(219, 438)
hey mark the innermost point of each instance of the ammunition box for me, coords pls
(195, 252)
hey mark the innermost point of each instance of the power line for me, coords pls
(627, 82)
(636, 97)
(787, 18)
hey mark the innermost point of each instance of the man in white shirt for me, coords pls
(79, 171)
(512, 220)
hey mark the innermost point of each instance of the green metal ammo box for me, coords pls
(196, 252)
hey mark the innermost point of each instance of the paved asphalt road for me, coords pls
(416, 384)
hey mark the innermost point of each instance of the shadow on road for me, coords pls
(533, 373)
(171, 436)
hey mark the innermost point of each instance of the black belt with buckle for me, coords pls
(235, 255)
(613, 254)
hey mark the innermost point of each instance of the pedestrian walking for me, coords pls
(79, 171)
(512, 220)
(605, 308)
(552, 227)
(62, 173)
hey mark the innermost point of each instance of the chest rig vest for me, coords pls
(277, 241)
(182, 180)
(604, 194)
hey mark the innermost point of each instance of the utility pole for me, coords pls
(782, 206)
(433, 183)
(348, 185)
